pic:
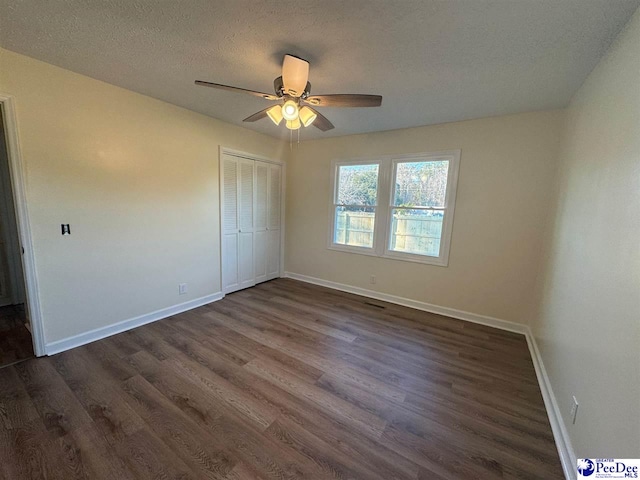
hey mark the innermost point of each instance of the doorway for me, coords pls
(15, 336)
(20, 327)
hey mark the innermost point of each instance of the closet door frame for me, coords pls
(251, 156)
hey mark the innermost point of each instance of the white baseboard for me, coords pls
(407, 302)
(104, 332)
(560, 434)
(558, 427)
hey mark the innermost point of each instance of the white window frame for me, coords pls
(382, 222)
(336, 164)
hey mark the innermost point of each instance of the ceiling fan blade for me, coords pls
(321, 121)
(344, 100)
(295, 73)
(266, 96)
(257, 116)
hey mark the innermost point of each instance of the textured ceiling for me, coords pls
(432, 61)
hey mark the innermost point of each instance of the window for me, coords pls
(355, 203)
(395, 207)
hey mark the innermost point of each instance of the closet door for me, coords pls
(229, 176)
(274, 221)
(261, 221)
(251, 234)
(246, 223)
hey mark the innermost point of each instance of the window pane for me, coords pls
(357, 185)
(421, 184)
(416, 231)
(354, 226)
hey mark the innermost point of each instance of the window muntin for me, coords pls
(355, 202)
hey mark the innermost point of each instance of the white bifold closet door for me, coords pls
(262, 220)
(267, 227)
(274, 236)
(245, 232)
(251, 232)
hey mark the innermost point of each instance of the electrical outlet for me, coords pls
(574, 410)
(372, 279)
(182, 288)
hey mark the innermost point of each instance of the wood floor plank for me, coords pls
(226, 425)
(299, 411)
(311, 321)
(392, 319)
(148, 457)
(471, 369)
(242, 472)
(16, 408)
(58, 407)
(186, 438)
(30, 452)
(439, 457)
(306, 354)
(221, 334)
(366, 423)
(98, 457)
(100, 396)
(110, 362)
(179, 333)
(223, 391)
(469, 435)
(331, 462)
(286, 380)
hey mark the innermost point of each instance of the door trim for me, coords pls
(18, 186)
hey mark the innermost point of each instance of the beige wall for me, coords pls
(506, 168)
(136, 178)
(589, 326)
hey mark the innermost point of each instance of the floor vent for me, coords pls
(374, 305)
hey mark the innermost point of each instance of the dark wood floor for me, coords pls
(285, 380)
(15, 339)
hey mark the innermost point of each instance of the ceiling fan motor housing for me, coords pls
(278, 87)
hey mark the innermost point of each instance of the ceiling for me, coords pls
(432, 61)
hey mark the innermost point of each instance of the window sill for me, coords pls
(424, 259)
(349, 249)
(403, 257)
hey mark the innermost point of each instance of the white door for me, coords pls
(251, 233)
(274, 221)
(245, 232)
(229, 176)
(261, 221)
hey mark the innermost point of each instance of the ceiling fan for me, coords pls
(294, 89)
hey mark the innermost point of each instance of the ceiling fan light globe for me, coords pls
(307, 116)
(275, 114)
(295, 73)
(293, 124)
(290, 110)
